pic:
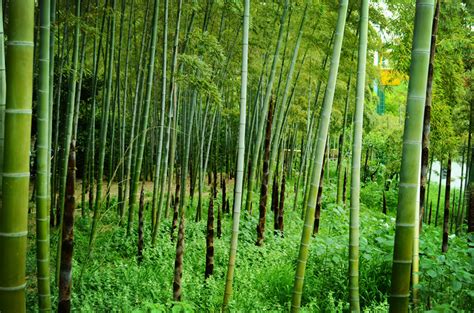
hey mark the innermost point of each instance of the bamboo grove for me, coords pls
(244, 155)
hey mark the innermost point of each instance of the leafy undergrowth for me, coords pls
(112, 280)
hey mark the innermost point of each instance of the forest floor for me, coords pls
(113, 281)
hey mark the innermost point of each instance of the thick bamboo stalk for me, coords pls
(354, 298)
(319, 155)
(408, 195)
(16, 174)
(240, 159)
(3, 90)
(427, 115)
(43, 170)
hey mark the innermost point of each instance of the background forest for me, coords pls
(327, 143)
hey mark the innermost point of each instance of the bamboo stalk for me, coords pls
(406, 231)
(43, 170)
(318, 157)
(240, 159)
(354, 297)
(16, 175)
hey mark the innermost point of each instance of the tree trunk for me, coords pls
(264, 186)
(366, 166)
(3, 85)
(168, 133)
(453, 215)
(319, 199)
(214, 188)
(69, 118)
(406, 231)
(354, 224)
(178, 263)
(67, 237)
(240, 160)
(425, 144)
(322, 134)
(462, 195)
(281, 207)
(430, 170)
(210, 240)
(429, 217)
(344, 188)
(470, 181)
(439, 191)
(16, 175)
(171, 134)
(52, 33)
(219, 220)
(43, 154)
(275, 203)
(175, 205)
(140, 225)
(447, 194)
(384, 202)
(224, 196)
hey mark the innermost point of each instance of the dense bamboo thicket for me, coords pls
(241, 156)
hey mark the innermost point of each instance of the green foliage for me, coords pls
(198, 75)
(451, 272)
(449, 114)
(383, 140)
(371, 196)
(113, 281)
